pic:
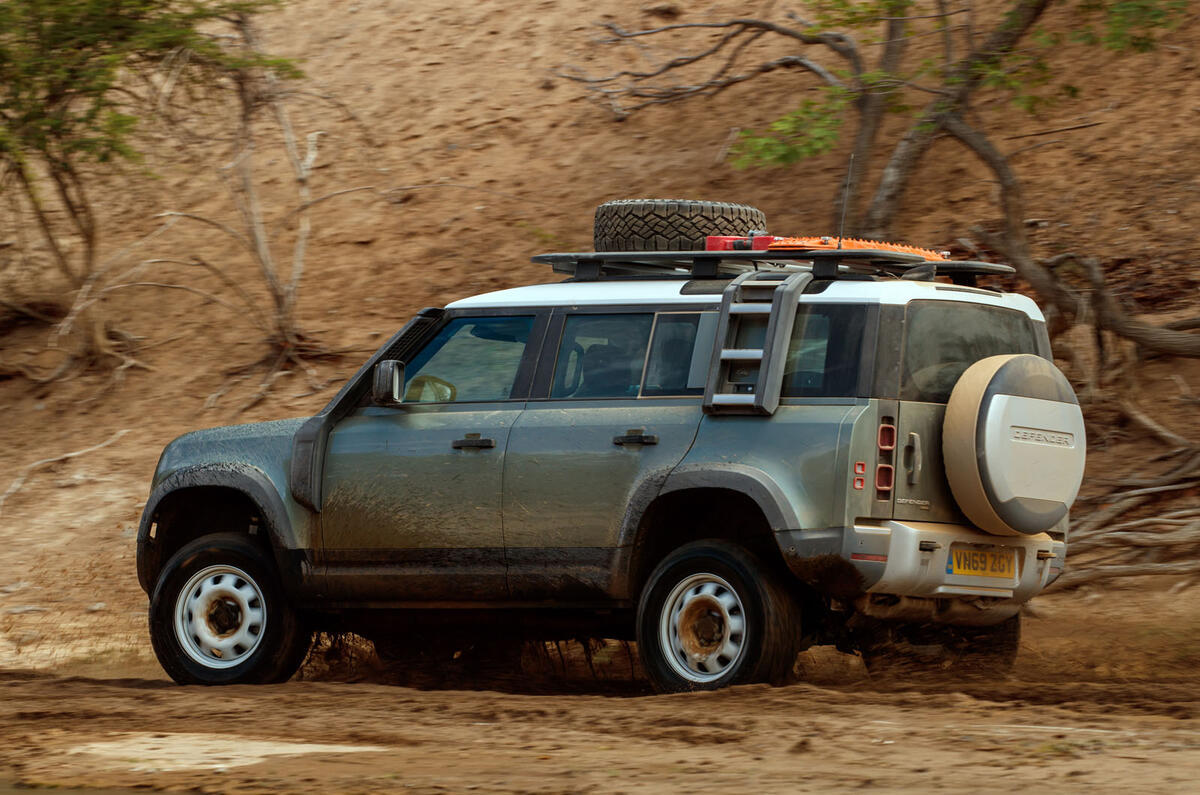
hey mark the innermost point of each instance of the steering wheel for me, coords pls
(443, 390)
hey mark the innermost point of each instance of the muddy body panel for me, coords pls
(410, 510)
(252, 460)
(571, 473)
(922, 493)
(797, 457)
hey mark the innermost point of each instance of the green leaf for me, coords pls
(810, 130)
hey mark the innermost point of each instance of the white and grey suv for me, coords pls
(726, 445)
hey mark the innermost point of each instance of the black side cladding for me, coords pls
(308, 445)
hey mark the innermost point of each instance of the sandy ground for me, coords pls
(327, 737)
(1104, 695)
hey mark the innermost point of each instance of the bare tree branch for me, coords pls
(166, 285)
(613, 88)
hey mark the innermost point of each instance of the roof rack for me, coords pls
(822, 263)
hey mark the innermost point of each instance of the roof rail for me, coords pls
(822, 263)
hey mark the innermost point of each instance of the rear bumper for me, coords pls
(905, 571)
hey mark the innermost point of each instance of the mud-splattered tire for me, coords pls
(899, 650)
(670, 224)
(712, 615)
(218, 615)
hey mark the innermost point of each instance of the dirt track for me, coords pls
(77, 732)
(1091, 704)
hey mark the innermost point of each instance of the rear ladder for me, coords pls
(749, 380)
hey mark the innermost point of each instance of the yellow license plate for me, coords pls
(975, 562)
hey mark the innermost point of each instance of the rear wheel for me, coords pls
(670, 224)
(218, 615)
(712, 615)
(900, 650)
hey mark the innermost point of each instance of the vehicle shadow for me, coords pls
(590, 666)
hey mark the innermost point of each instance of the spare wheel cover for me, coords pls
(1014, 444)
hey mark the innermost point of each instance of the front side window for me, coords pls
(601, 356)
(472, 359)
(944, 338)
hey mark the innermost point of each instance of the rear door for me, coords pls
(941, 340)
(620, 405)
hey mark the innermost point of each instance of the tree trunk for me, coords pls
(1109, 316)
(961, 80)
(39, 213)
(900, 166)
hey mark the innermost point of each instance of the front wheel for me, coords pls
(218, 616)
(712, 615)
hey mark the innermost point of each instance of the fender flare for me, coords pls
(754, 483)
(250, 481)
(751, 481)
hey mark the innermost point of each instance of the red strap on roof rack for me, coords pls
(728, 243)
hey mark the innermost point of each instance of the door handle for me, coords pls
(636, 437)
(473, 442)
(914, 454)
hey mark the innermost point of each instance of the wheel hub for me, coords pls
(224, 616)
(701, 627)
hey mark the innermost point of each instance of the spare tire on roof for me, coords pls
(1013, 443)
(670, 224)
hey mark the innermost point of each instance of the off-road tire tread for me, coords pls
(670, 224)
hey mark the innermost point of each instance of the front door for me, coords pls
(621, 409)
(413, 492)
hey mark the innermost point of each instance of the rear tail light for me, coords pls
(885, 470)
(885, 477)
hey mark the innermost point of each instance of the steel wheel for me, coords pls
(220, 616)
(711, 614)
(703, 628)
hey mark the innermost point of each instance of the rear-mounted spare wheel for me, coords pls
(1014, 444)
(670, 224)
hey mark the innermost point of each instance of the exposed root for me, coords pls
(19, 481)
(292, 353)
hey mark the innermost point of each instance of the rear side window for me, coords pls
(632, 355)
(602, 356)
(823, 354)
(677, 367)
(944, 338)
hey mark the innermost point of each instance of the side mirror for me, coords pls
(387, 385)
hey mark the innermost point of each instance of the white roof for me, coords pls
(655, 292)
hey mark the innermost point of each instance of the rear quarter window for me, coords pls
(943, 338)
(825, 350)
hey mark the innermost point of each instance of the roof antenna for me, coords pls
(845, 200)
